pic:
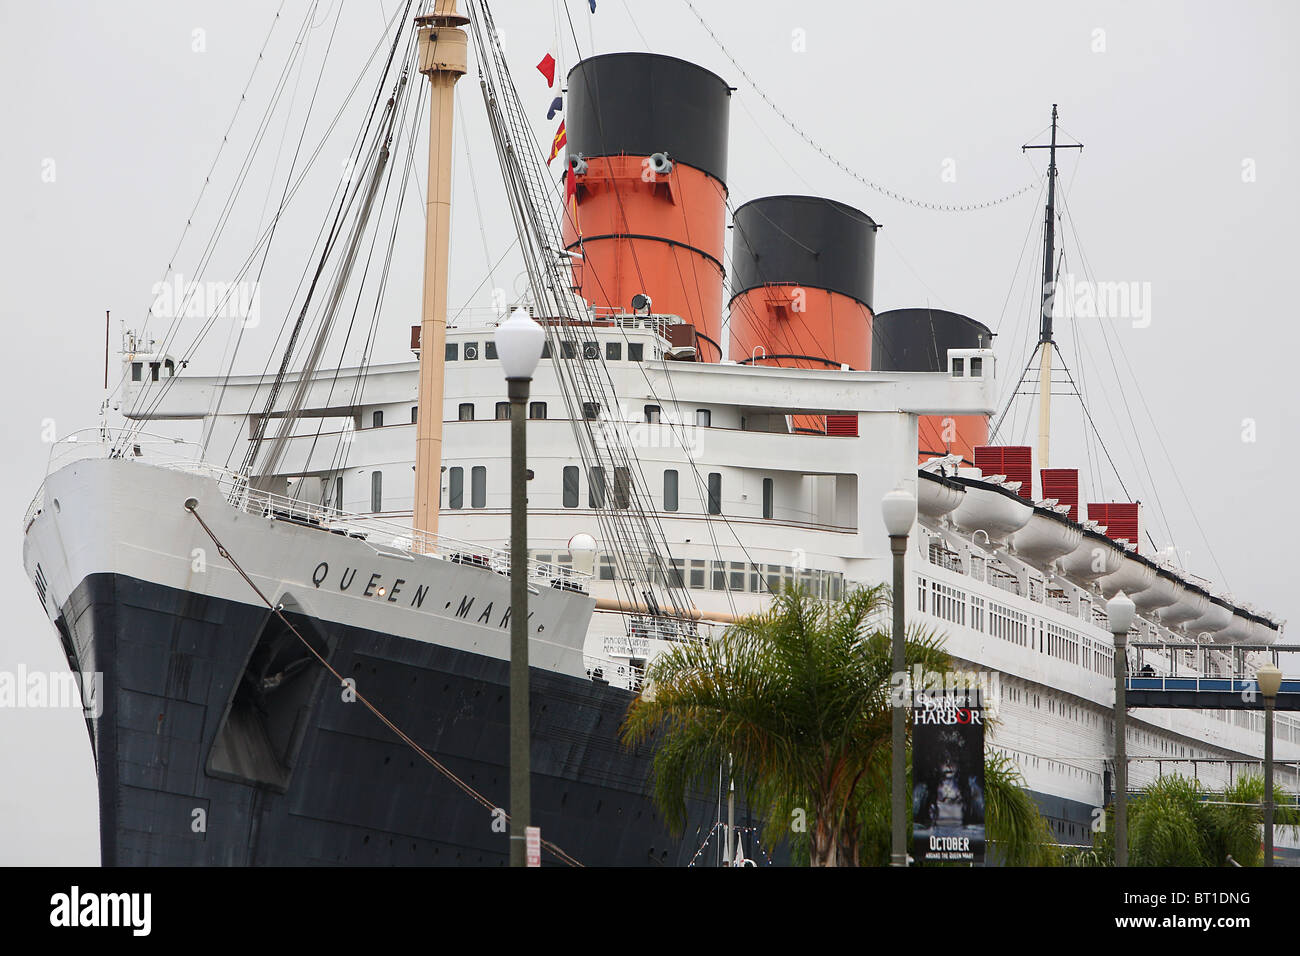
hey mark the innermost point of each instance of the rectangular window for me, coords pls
(957, 367)
(703, 417)
(489, 349)
(670, 490)
(976, 366)
(768, 494)
(137, 371)
(718, 575)
(613, 351)
(697, 574)
(537, 410)
(596, 493)
(467, 412)
(415, 414)
(376, 491)
(452, 348)
(736, 577)
(715, 493)
(622, 487)
(471, 351)
(635, 351)
(153, 370)
(456, 488)
(338, 493)
(377, 420)
(566, 350)
(653, 414)
(570, 486)
(503, 411)
(677, 573)
(478, 487)
(591, 410)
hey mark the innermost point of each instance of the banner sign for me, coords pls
(948, 776)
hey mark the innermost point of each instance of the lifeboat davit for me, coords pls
(1046, 537)
(992, 509)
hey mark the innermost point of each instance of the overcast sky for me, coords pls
(113, 115)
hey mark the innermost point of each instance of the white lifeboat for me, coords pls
(1190, 605)
(996, 512)
(1133, 577)
(1045, 538)
(935, 497)
(1216, 618)
(1162, 593)
(1237, 630)
(1091, 560)
(1262, 633)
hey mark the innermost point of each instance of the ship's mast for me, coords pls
(1045, 342)
(443, 60)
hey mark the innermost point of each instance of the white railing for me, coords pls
(380, 534)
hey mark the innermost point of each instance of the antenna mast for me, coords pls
(1045, 342)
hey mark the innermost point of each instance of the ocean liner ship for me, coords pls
(232, 614)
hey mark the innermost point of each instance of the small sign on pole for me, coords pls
(532, 846)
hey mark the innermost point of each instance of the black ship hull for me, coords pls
(220, 741)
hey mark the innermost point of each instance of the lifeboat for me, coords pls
(1191, 604)
(997, 511)
(1133, 577)
(936, 496)
(1162, 593)
(1216, 617)
(1264, 631)
(1095, 557)
(1046, 537)
(1238, 630)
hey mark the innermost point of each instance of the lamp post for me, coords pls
(519, 343)
(1270, 680)
(899, 511)
(1119, 615)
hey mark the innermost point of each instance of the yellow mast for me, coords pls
(443, 59)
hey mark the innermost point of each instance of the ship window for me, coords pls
(703, 417)
(546, 350)
(718, 575)
(635, 351)
(153, 371)
(570, 486)
(622, 487)
(715, 493)
(736, 577)
(478, 487)
(415, 414)
(596, 493)
(377, 420)
(452, 347)
(170, 366)
(537, 410)
(471, 351)
(456, 488)
(958, 366)
(137, 371)
(697, 574)
(591, 410)
(767, 497)
(376, 491)
(338, 493)
(606, 567)
(489, 350)
(670, 490)
(653, 413)
(467, 412)
(676, 573)
(613, 351)
(503, 411)
(976, 366)
(566, 350)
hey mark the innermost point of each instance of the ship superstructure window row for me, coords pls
(702, 574)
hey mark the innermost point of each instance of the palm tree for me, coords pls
(1173, 822)
(797, 699)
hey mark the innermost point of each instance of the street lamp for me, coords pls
(1270, 680)
(519, 343)
(1119, 616)
(899, 511)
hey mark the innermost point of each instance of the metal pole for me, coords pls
(1268, 781)
(520, 811)
(898, 775)
(1121, 754)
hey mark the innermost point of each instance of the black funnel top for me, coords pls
(808, 240)
(917, 340)
(643, 103)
